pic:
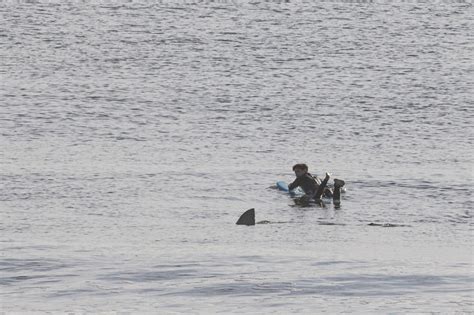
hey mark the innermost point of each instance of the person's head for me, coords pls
(300, 169)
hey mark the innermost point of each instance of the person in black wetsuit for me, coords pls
(314, 187)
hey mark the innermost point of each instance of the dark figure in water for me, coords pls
(313, 187)
(247, 218)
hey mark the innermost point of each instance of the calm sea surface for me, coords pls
(134, 134)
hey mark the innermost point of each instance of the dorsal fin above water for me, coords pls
(247, 218)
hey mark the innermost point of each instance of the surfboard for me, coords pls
(281, 185)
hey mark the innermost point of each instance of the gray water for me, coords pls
(134, 134)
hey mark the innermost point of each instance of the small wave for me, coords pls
(388, 225)
(344, 285)
(29, 265)
(330, 223)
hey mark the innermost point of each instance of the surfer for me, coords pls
(314, 187)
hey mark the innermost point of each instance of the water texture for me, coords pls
(134, 134)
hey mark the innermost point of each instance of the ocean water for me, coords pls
(133, 134)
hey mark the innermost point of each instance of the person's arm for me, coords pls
(293, 185)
